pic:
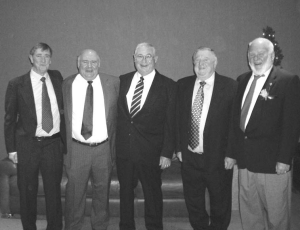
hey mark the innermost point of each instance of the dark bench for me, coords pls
(173, 203)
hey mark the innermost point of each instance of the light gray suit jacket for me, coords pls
(110, 86)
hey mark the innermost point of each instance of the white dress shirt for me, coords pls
(207, 90)
(79, 88)
(148, 79)
(258, 87)
(37, 86)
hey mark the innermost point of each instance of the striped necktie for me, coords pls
(196, 116)
(136, 99)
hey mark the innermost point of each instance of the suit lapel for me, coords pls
(216, 97)
(57, 89)
(127, 84)
(27, 94)
(255, 117)
(106, 95)
(68, 99)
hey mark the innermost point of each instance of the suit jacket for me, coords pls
(151, 132)
(272, 132)
(110, 86)
(216, 130)
(20, 113)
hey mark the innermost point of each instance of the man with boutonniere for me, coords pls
(263, 139)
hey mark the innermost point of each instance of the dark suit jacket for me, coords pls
(20, 113)
(151, 132)
(272, 132)
(110, 86)
(217, 123)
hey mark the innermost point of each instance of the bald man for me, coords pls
(91, 111)
(264, 139)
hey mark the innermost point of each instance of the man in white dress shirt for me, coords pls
(204, 108)
(34, 125)
(91, 111)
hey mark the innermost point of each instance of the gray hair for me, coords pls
(146, 45)
(42, 46)
(204, 48)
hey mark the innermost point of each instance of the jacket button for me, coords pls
(246, 137)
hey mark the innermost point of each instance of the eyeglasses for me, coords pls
(140, 57)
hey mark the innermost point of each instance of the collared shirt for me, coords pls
(258, 87)
(79, 88)
(148, 79)
(37, 86)
(207, 90)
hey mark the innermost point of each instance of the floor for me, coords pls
(169, 223)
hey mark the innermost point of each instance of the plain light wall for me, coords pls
(114, 28)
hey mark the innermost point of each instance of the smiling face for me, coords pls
(205, 63)
(145, 60)
(40, 60)
(88, 64)
(260, 55)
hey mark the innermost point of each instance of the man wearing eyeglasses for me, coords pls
(145, 136)
(91, 112)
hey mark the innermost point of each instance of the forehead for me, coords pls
(204, 54)
(40, 51)
(258, 47)
(144, 50)
(89, 56)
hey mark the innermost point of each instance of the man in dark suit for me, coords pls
(145, 136)
(203, 116)
(91, 112)
(264, 137)
(33, 129)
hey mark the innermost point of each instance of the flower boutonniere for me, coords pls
(264, 93)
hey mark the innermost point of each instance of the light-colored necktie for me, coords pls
(196, 116)
(247, 102)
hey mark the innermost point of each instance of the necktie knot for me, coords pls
(142, 78)
(202, 83)
(43, 79)
(258, 76)
(90, 82)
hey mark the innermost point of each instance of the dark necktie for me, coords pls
(87, 120)
(47, 119)
(247, 102)
(196, 116)
(136, 99)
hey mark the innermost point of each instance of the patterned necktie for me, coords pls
(47, 119)
(136, 99)
(196, 116)
(87, 120)
(247, 102)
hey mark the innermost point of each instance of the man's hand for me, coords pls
(229, 162)
(179, 156)
(164, 162)
(13, 156)
(282, 168)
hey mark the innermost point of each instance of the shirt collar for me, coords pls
(146, 77)
(266, 73)
(37, 76)
(208, 81)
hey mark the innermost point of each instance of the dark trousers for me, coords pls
(129, 173)
(45, 157)
(219, 185)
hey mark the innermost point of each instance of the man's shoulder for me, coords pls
(108, 77)
(226, 80)
(20, 79)
(186, 80)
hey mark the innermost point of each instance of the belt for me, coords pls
(56, 135)
(94, 144)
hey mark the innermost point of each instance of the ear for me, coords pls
(31, 59)
(155, 59)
